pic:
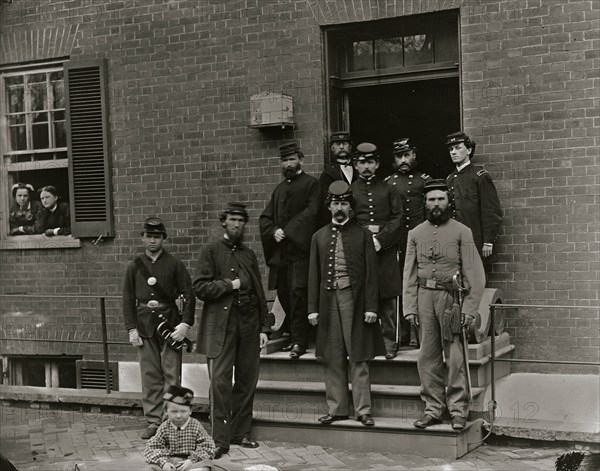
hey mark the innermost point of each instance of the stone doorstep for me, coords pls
(83, 397)
(546, 430)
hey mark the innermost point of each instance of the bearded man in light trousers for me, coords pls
(437, 249)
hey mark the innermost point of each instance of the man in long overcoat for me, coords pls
(379, 209)
(343, 302)
(233, 328)
(286, 226)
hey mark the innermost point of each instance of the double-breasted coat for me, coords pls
(361, 259)
(378, 204)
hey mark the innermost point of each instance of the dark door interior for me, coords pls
(425, 111)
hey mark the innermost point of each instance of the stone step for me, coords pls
(396, 434)
(287, 399)
(402, 370)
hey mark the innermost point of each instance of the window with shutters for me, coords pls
(54, 133)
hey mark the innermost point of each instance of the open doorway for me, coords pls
(424, 111)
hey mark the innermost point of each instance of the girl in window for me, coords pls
(23, 211)
(54, 218)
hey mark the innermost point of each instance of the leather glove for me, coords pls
(135, 339)
(469, 319)
(49, 232)
(180, 331)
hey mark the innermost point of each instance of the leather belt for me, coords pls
(153, 304)
(436, 284)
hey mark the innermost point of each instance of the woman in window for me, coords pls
(55, 218)
(23, 211)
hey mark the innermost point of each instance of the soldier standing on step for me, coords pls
(153, 282)
(437, 249)
(343, 302)
(233, 328)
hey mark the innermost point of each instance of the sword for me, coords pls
(457, 282)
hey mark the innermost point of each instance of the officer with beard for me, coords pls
(233, 328)
(409, 183)
(340, 169)
(437, 249)
(286, 227)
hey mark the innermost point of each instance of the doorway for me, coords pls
(424, 111)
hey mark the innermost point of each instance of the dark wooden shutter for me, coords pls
(89, 159)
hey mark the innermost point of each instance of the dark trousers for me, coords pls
(231, 414)
(292, 290)
(160, 367)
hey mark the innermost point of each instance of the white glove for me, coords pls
(180, 331)
(313, 318)
(377, 244)
(236, 283)
(135, 339)
(370, 317)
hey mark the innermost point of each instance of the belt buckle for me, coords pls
(431, 284)
(153, 303)
(373, 228)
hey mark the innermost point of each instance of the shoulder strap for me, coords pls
(481, 172)
(139, 265)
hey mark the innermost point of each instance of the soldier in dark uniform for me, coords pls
(436, 250)
(286, 227)
(378, 208)
(409, 183)
(233, 328)
(343, 299)
(153, 282)
(340, 169)
(474, 197)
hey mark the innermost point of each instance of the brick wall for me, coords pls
(180, 77)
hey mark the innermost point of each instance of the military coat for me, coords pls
(293, 207)
(220, 263)
(378, 204)
(475, 203)
(361, 259)
(437, 252)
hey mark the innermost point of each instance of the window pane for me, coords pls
(18, 138)
(58, 90)
(16, 119)
(446, 42)
(14, 94)
(40, 136)
(58, 116)
(362, 56)
(388, 52)
(60, 136)
(37, 92)
(67, 375)
(417, 49)
(34, 373)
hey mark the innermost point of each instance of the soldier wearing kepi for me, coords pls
(378, 209)
(409, 183)
(153, 282)
(474, 195)
(437, 249)
(286, 227)
(343, 302)
(233, 328)
(340, 169)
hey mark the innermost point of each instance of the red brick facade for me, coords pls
(180, 76)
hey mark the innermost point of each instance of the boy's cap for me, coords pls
(179, 395)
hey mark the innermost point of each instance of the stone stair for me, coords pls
(290, 397)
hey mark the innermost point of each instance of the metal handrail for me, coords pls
(493, 358)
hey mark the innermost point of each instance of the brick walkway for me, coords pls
(47, 440)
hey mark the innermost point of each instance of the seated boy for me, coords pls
(180, 443)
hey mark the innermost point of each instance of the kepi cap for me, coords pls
(403, 144)
(179, 395)
(457, 137)
(340, 136)
(339, 190)
(154, 225)
(236, 208)
(365, 151)
(435, 185)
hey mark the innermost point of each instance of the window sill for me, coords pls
(27, 242)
